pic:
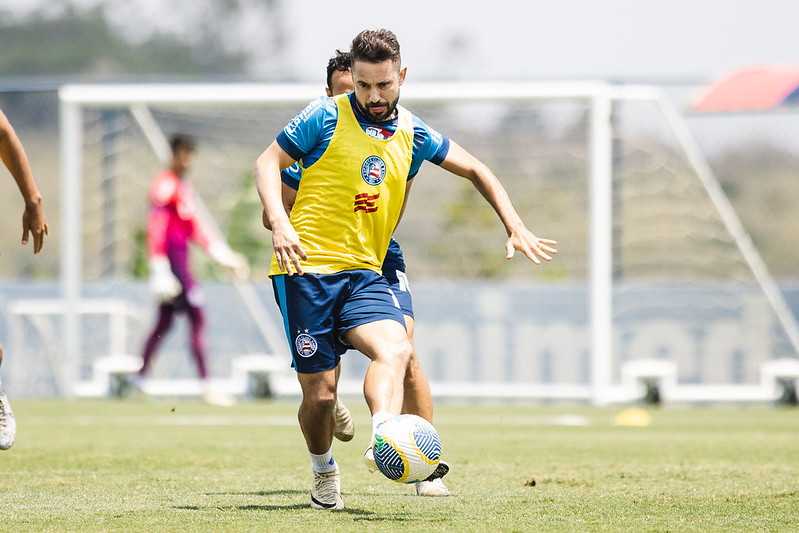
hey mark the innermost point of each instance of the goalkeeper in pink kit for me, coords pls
(172, 225)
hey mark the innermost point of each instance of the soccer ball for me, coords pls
(407, 448)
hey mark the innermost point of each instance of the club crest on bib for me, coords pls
(373, 170)
(305, 345)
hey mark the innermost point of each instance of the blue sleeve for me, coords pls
(291, 176)
(307, 129)
(428, 145)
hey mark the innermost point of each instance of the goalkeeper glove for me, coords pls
(163, 283)
(225, 256)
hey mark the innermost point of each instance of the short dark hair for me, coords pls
(181, 142)
(376, 46)
(339, 62)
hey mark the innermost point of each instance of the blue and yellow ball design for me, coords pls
(407, 448)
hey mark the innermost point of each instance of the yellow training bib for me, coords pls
(349, 201)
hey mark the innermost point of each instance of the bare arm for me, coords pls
(13, 155)
(464, 164)
(285, 241)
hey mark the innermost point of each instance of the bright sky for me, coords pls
(639, 40)
(568, 38)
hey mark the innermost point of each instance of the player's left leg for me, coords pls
(370, 320)
(8, 424)
(386, 344)
(417, 400)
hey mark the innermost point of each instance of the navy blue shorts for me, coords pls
(398, 282)
(318, 308)
(394, 271)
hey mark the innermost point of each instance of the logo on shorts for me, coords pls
(373, 170)
(365, 202)
(305, 344)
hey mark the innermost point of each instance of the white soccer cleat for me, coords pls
(8, 424)
(345, 428)
(369, 458)
(434, 488)
(326, 490)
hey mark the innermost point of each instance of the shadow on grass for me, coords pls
(403, 518)
(362, 514)
(281, 492)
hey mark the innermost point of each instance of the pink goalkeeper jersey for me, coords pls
(173, 223)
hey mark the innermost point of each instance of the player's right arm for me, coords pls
(16, 161)
(306, 137)
(285, 241)
(461, 163)
(289, 197)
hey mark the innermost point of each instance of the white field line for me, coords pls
(232, 420)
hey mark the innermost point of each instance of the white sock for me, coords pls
(323, 463)
(378, 418)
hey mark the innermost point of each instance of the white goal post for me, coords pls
(599, 97)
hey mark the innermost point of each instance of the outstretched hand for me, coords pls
(530, 245)
(34, 223)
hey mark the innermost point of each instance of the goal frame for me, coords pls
(599, 96)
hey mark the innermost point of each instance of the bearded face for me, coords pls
(377, 88)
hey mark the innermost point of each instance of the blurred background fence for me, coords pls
(682, 291)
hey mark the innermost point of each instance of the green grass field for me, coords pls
(180, 466)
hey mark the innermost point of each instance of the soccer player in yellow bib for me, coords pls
(417, 399)
(358, 153)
